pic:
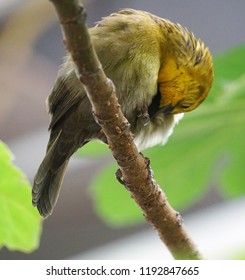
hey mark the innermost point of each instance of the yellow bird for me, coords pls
(160, 71)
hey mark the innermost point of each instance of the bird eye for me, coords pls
(185, 106)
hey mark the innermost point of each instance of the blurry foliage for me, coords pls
(207, 147)
(94, 149)
(238, 255)
(20, 223)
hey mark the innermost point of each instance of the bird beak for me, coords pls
(167, 109)
(164, 110)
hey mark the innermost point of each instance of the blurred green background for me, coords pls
(200, 167)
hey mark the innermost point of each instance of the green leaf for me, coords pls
(20, 225)
(207, 147)
(112, 201)
(228, 67)
(240, 255)
(93, 149)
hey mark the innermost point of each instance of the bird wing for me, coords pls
(66, 93)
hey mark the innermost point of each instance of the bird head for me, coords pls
(186, 74)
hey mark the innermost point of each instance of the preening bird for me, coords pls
(160, 71)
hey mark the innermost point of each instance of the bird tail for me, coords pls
(46, 186)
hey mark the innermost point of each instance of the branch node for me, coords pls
(179, 219)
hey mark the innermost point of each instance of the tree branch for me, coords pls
(134, 170)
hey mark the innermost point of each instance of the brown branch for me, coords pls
(134, 168)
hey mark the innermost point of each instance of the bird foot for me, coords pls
(143, 116)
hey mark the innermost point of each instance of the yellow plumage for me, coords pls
(159, 70)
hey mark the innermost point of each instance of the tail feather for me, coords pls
(46, 188)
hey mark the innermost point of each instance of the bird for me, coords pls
(160, 71)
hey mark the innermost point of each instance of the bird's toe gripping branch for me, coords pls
(143, 116)
(119, 175)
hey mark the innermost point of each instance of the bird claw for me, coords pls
(151, 172)
(119, 177)
(143, 116)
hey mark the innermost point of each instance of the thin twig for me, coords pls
(134, 170)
